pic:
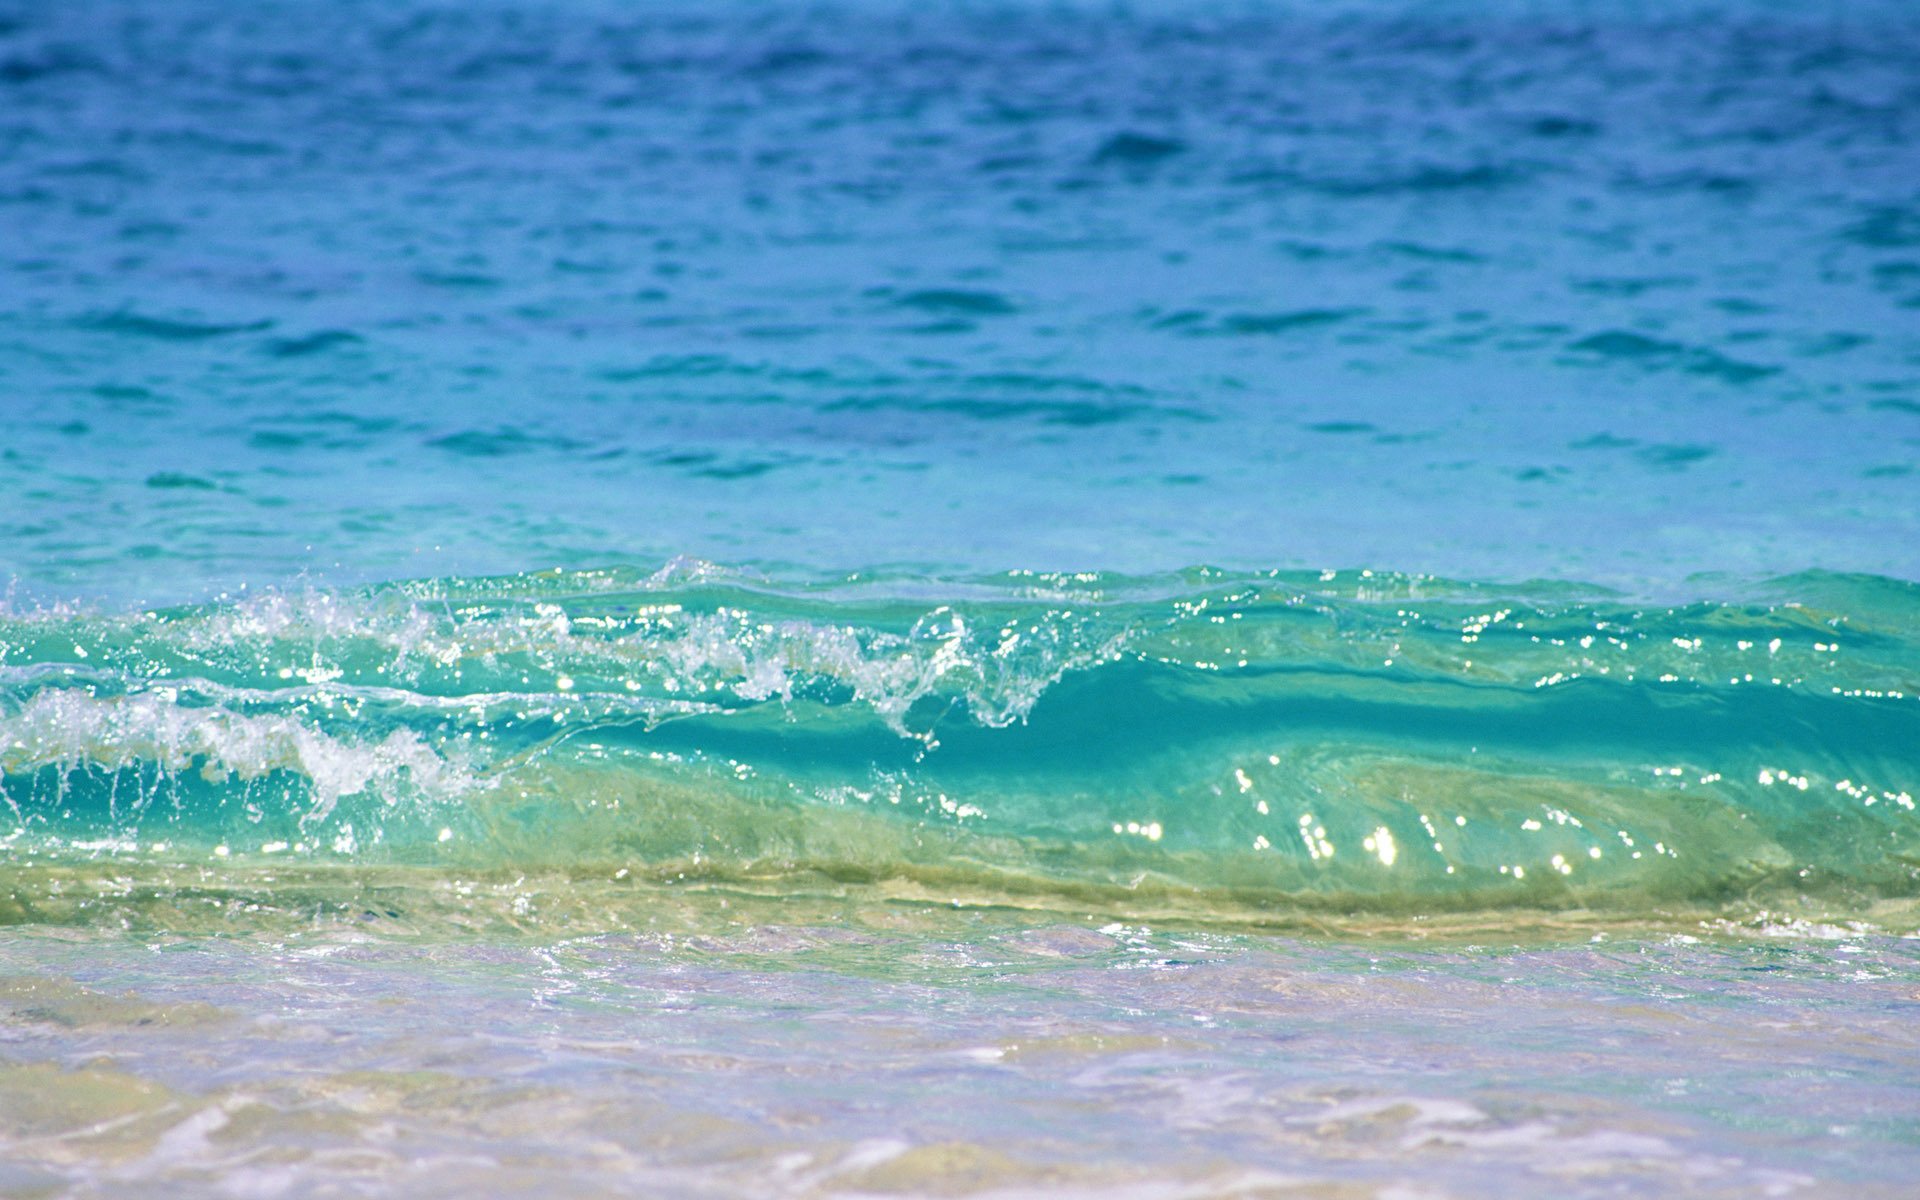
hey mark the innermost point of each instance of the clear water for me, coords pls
(1124, 599)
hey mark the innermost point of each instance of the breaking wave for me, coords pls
(1233, 743)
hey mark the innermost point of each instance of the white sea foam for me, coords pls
(68, 730)
(889, 673)
(663, 652)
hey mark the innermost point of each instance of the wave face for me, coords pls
(1244, 746)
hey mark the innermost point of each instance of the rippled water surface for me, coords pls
(1614, 293)
(1128, 600)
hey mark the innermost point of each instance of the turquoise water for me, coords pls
(1133, 599)
(1238, 747)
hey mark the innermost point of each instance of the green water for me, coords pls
(1231, 747)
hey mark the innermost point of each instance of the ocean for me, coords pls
(1010, 598)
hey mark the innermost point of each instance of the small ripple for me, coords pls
(1674, 457)
(1620, 345)
(958, 302)
(169, 329)
(1137, 149)
(312, 343)
(18, 69)
(1262, 324)
(458, 280)
(1075, 413)
(179, 480)
(1558, 126)
(1603, 441)
(1887, 227)
(500, 443)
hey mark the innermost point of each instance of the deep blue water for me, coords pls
(344, 292)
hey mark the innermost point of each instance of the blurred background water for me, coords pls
(1618, 293)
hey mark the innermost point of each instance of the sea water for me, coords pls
(854, 598)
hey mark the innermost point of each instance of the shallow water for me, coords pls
(903, 1051)
(1071, 598)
